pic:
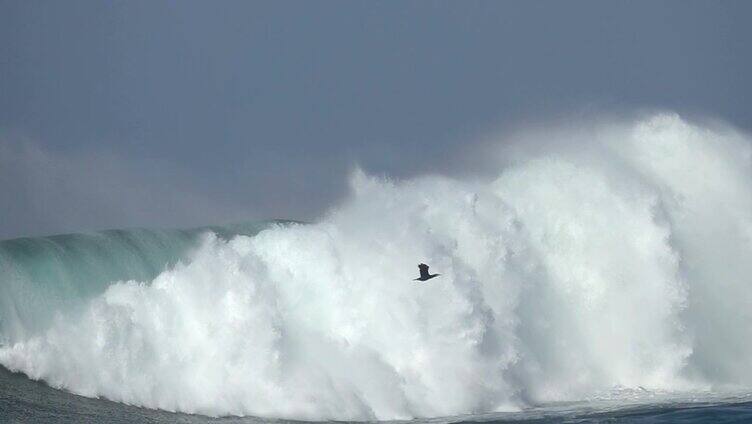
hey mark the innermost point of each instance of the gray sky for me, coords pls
(150, 113)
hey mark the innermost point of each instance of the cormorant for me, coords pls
(424, 275)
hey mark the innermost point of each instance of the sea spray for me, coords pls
(621, 261)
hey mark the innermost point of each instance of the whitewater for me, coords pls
(604, 263)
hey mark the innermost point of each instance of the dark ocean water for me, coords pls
(26, 401)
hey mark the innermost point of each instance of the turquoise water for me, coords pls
(42, 275)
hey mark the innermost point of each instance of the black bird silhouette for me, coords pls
(424, 275)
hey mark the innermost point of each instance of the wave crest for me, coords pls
(621, 261)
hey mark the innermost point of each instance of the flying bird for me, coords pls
(424, 275)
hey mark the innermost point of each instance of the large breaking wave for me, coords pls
(619, 261)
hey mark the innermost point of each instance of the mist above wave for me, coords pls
(618, 260)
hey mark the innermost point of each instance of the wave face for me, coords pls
(618, 262)
(41, 277)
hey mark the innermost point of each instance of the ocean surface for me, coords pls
(26, 401)
(603, 278)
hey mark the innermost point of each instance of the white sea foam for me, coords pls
(619, 261)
